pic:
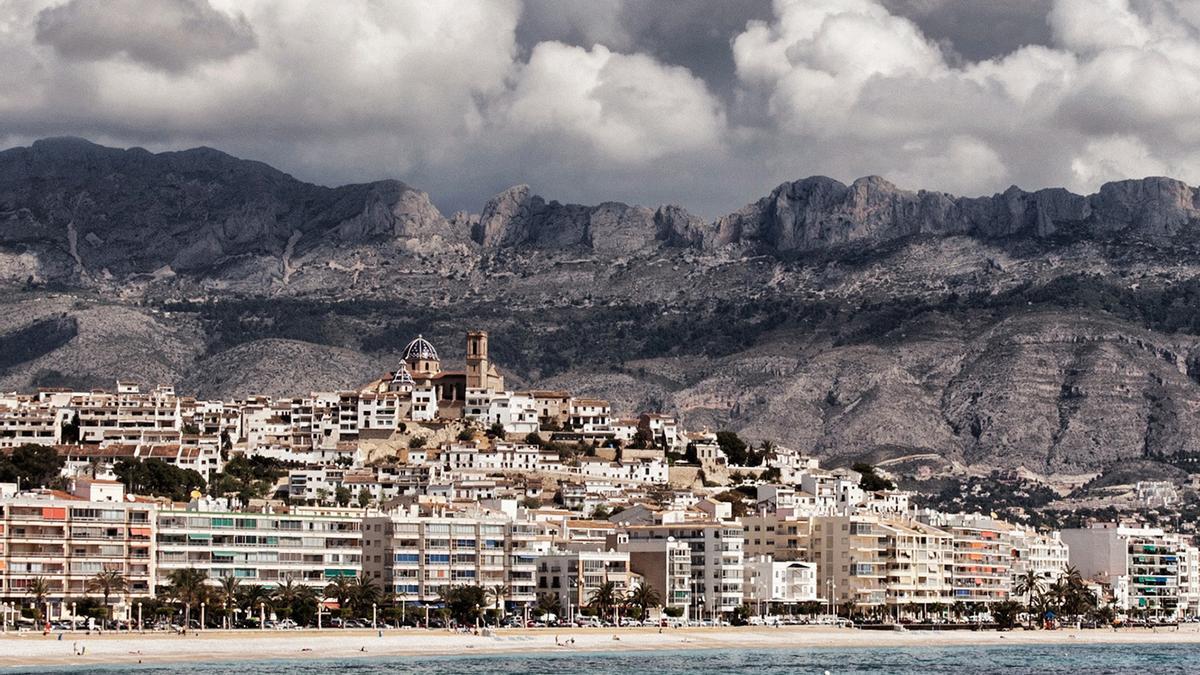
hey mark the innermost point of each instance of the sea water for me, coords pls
(1015, 659)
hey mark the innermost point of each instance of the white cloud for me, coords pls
(445, 96)
(851, 70)
(957, 165)
(1114, 158)
(1088, 26)
(627, 108)
(171, 35)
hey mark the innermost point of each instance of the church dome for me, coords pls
(420, 349)
(402, 376)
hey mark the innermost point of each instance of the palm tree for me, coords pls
(1105, 614)
(341, 589)
(1059, 592)
(1072, 575)
(548, 603)
(229, 595)
(1028, 585)
(766, 450)
(498, 594)
(256, 596)
(363, 593)
(644, 597)
(189, 587)
(106, 583)
(603, 598)
(38, 588)
(1041, 604)
(286, 594)
(958, 608)
(1005, 613)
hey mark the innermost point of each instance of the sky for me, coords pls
(702, 103)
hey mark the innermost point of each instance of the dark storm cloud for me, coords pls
(979, 29)
(694, 34)
(170, 35)
(705, 103)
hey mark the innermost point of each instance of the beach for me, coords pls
(32, 649)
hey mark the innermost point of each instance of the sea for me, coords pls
(1010, 660)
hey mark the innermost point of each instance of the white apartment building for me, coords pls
(642, 471)
(1044, 554)
(574, 576)
(21, 423)
(1148, 569)
(664, 563)
(982, 556)
(590, 414)
(517, 413)
(664, 431)
(424, 404)
(766, 582)
(416, 557)
(311, 546)
(315, 485)
(716, 565)
(67, 538)
(837, 489)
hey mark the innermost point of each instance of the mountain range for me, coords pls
(1045, 329)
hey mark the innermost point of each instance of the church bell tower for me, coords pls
(477, 360)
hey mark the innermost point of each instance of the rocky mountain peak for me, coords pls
(519, 218)
(504, 220)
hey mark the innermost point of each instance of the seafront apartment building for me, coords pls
(850, 554)
(417, 557)
(982, 556)
(574, 576)
(665, 564)
(310, 546)
(716, 561)
(1150, 570)
(873, 561)
(66, 538)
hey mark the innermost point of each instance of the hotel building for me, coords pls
(309, 546)
(419, 557)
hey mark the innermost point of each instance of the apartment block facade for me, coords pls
(417, 558)
(66, 540)
(309, 546)
(716, 561)
(574, 576)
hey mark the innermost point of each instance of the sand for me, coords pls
(34, 649)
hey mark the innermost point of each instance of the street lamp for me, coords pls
(374, 616)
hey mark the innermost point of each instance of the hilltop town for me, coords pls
(432, 484)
